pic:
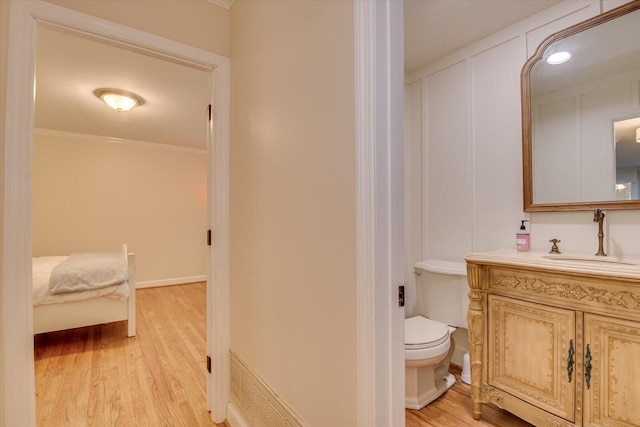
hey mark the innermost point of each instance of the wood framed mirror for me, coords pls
(581, 117)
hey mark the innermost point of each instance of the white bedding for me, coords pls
(42, 268)
(87, 271)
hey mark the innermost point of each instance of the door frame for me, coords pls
(17, 381)
(379, 63)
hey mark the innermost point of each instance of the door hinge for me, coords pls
(210, 112)
(208, 363)
(401, 296)
(209, 237)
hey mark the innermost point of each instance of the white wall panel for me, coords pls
(472, 153)
(557, 127)
(412, 188)
(446, 232)
(497, 159)
(489, 90)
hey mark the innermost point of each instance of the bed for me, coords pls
(62, 299)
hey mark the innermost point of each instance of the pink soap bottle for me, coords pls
(523, 242)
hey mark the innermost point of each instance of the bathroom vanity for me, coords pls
(555, 339)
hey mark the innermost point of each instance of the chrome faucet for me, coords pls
(598, 216)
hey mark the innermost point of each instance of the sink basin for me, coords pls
(591, 259)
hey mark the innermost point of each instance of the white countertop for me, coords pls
(569, 262)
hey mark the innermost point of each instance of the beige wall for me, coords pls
(94, 196)
(293, 202)
(4, 50)
(197, 23)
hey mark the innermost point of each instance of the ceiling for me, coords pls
(70, 67)
(435, 28)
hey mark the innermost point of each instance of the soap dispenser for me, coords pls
(523, 242)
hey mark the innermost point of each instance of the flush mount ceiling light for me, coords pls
(558, 58)
(119, 100)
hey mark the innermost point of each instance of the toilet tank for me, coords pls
(441, 291)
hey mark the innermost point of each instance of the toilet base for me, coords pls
(427, 379)
(428, 396)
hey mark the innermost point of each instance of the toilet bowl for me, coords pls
(428, 349)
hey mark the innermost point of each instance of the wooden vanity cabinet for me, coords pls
(555, 347)
(612, 397)
(527, 353)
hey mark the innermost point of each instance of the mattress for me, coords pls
(42, 267)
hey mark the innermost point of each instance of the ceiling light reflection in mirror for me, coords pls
(558, 58)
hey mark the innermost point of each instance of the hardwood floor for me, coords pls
(453, 409)
(96, 376)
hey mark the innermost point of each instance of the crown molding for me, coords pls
(112, 140)
(223, 3)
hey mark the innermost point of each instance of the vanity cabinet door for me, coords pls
(528, 349)
(612, 382)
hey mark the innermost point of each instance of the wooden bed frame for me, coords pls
(95, 311)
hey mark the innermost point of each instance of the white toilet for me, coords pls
(437, 306)
(427, 351)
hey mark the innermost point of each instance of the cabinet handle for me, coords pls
(570, 361)
(587, 367)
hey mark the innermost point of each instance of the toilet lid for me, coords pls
(420, 332)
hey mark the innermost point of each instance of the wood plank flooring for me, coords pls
(453, 409)
(96, 376)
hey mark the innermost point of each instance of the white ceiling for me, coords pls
(435, 28)
(70, 67)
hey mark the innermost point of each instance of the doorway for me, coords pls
(101, 178)
(25, 18)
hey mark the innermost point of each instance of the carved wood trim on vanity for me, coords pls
(592, 305)
(596, 293)
(476, 321)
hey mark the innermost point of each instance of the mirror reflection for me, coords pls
(626, 134)
(585, 111)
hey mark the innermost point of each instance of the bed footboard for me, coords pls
(131, 306)
(95, 311)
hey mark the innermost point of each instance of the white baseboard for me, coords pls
(233, 416)
(170, 282)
